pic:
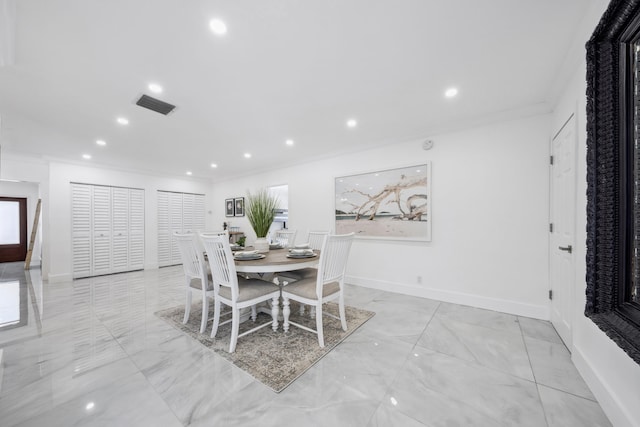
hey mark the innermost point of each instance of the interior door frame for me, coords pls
(16, 252)
(569, 121)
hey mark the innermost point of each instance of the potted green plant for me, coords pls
(260, 211)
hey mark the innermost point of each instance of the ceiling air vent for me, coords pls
(154, 104)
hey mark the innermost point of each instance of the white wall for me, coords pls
(62, 174)
(490, 216)
(613, 377)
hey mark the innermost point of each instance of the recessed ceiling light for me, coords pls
(189, 173)
(213, 165)
(352, 123)
(451, 92)
(218, 26)
(155, 88)
(289, 142)
(86, 156)
(90, 406)
(122, 120)
(247, 155)
(101, 142)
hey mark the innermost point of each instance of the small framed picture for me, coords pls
(239, 206)
(228, 207)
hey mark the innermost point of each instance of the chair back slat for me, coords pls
(223, 268)
(285, 238)
(316, 239)
(192, 261)
(333, 260)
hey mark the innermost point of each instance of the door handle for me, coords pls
(566, 249)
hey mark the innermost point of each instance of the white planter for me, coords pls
(261, 245)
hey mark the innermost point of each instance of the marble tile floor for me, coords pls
(91, 352)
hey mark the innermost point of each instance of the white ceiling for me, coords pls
(285, 69)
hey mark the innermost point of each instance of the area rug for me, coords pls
(275, 359)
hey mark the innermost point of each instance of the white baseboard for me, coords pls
(606, 396)
(59, 278)
(496, 304)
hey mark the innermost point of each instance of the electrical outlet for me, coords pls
(419, 279)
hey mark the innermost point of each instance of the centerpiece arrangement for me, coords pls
(260, 211)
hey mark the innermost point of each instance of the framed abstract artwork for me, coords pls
(238, 206)
(392, 204)
(228, 207)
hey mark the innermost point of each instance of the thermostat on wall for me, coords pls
(427, 145)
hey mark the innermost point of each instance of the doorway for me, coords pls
(282, 213)
(13, 229)
(562, 228)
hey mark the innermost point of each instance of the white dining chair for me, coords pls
(326, 285)
(285, 238)
(196, 276)
(236, 292)
(315, 239)
(210, 233)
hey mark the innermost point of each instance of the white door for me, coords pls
(120, 229)
(175, 224)
(198, 213)
(136, 229)
(164, 230)
(562, 241)
(187, 213)
(101, 230)
(81, 233)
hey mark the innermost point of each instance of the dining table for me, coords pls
(276, 261)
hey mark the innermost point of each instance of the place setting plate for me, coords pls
(248, 257)
(301, 256)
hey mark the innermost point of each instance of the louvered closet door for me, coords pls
(136, 229)
(164, 230)
(181, 213)
(120, 228)
(81, 229)
(198, 213)
(101, 230)
(187, 213)
(175, 222)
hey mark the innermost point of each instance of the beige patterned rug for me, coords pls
(274, 358)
